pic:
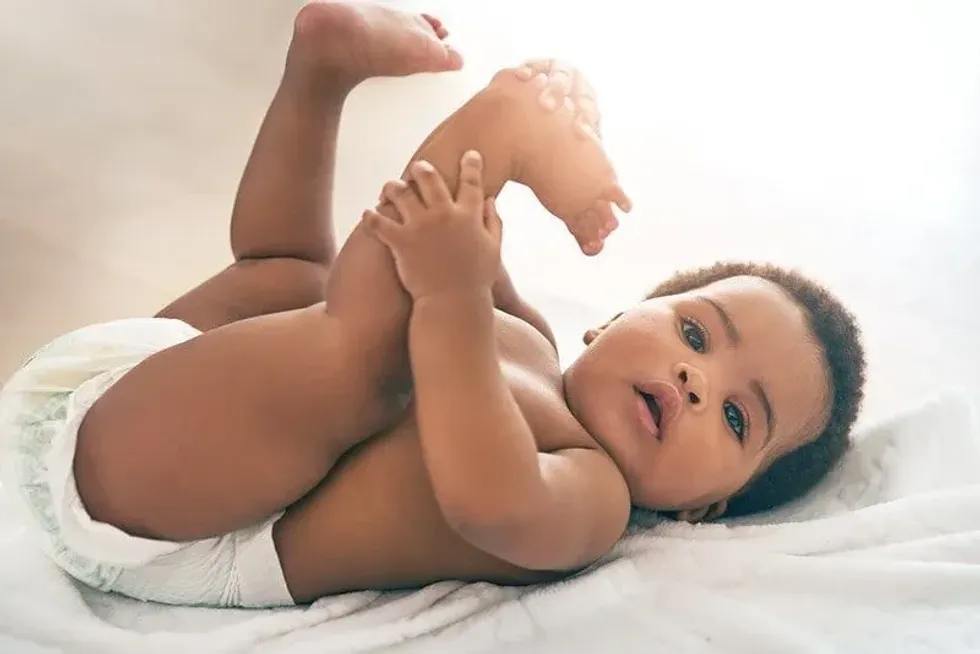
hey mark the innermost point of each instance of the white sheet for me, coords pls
(883, 557)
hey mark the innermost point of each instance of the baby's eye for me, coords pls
(695, 335)
(735, 419)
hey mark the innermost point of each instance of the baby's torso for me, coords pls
(380, 504)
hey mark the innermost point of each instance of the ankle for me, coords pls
(305, 80)
(306, 69)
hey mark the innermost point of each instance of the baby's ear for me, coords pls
(593, 334)
(703, 514)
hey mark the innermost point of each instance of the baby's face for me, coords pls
(693, 395)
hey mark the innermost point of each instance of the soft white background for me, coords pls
(839, 137)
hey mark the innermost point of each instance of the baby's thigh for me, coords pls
(224, 430)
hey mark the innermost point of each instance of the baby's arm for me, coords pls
(505, 123)
(505, 295)
(556, 511)
(363, 292)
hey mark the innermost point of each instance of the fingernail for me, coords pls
(524, 73)
(541, 80)
(584, 130)
(548, 102)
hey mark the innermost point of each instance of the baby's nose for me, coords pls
(693, 384)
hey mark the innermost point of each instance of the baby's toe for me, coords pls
(607, 219)
(617, 196)
(592, 248)
(591, 227)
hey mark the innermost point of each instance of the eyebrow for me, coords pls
(760, 393)
(733, 336)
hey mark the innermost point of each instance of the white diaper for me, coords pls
(41, 408)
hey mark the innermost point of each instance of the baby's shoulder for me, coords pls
(523, 346)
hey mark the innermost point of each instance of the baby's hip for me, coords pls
(41, 409)
(45, 401)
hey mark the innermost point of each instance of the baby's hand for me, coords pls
(563, 86)
(441, 245)
(562, 159)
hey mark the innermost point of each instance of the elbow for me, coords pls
(502, 501)
(505, 532)
(483, 518)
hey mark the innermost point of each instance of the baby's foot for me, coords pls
(352, 41)
(561, 158)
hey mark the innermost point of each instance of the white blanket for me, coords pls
(884, 557)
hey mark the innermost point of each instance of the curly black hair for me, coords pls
(835, 328)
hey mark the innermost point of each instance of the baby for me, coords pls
(306, 423)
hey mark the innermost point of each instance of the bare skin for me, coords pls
(284, 405)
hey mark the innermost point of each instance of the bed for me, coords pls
(883, 557)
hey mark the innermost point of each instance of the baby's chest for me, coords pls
(380, 496)
(531, 370)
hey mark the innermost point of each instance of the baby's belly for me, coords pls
(385, 527)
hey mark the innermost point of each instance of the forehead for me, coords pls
(759, 303)
(777, 348)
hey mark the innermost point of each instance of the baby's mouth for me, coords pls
(650, 412)
(654, 407)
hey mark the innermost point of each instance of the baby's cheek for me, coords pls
(699, 466)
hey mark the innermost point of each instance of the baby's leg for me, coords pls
(224, 430)
(282, 233)
(221, 432)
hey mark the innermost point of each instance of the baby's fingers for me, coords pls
(431, 185)
(398, 192)
(386, 229)
(555, 90)
(532, 67)
(554, 79)
(470, 192)
(585, 129)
